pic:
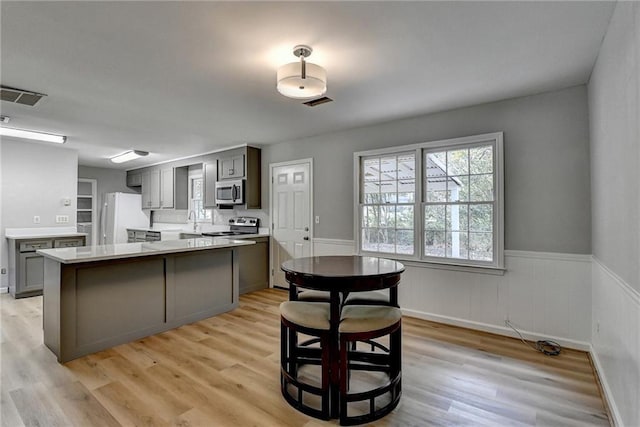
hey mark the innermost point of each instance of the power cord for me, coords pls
(550, 348)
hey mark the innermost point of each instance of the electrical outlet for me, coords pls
(317, 219)
(62, 219)
(36, 219)
(3, 271)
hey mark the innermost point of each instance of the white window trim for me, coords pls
(191, 176)
(495, 138)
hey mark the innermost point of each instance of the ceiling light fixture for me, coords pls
(29, 134)
(129, 155)
(301, 80)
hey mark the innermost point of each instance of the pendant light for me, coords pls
(302, 80)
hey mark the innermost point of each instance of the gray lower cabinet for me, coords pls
(254, 265)
(26, 267)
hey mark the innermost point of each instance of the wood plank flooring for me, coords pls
(224, 371)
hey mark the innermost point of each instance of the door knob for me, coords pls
(306, 229)
(306, 237)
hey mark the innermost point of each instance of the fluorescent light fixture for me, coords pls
(29, 134)
(129, 155)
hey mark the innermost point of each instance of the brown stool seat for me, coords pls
(314, 296)
(313, 315)
(367, 298)
(366, 318)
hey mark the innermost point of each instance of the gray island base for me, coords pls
(100, 297)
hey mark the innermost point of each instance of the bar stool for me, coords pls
(366, 323)
(310, 295)
(367, 298)
(309, 318)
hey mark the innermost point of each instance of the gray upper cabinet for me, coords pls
(151, 189)
(231, 167)
(210, 173)
(134, 179)
(166, 187)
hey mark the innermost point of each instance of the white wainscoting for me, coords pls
(616, 343)
(545, 295)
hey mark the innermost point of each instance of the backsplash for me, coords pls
(220, 216)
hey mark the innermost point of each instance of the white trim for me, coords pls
(4, 290)
(272, 166)
(626, 288)
(606, 389)
(499, 330)
(496, 139)
(340, 242)
(558, 256)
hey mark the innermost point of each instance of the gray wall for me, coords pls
(35, 178)
(109, 180)
(547, 190)
(614, 95)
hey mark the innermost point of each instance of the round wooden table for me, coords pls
(341, 274)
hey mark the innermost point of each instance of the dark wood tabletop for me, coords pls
(343, 273)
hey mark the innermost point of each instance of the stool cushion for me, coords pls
(313, 315)
(314, 296)
(362, 298)
(366, 318)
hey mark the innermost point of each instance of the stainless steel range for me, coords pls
(237, 226)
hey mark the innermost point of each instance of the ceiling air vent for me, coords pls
(20, 96)
(318, 101)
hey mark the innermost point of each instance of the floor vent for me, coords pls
(318, 101)
(20, 96)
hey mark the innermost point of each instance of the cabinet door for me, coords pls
(166, 188)
(232, 167)
(32, 269)
(210, 172)
(134, 179)
(151, 189)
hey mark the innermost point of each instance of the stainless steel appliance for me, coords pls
(237, 226)
(230, 192)
(119, 212)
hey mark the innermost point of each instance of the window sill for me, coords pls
(495, 271)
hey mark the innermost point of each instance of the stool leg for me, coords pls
(344, 377)
(326, 363)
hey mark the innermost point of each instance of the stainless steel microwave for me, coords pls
(230, 192)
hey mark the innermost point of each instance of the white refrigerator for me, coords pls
(119, 212)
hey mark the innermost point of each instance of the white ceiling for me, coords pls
(183, 78)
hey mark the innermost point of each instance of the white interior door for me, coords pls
(290, 215)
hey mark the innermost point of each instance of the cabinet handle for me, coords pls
(306, 237)
(230, 171)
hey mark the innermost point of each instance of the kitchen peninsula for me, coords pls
(100, 296)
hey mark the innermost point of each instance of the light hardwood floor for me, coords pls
(224, 371)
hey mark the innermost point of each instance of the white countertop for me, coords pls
(42, 232)
(133, 250)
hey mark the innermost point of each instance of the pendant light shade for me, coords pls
(301, 80)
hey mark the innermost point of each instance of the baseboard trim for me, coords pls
(494, 329)
(612, 408)
(4, 290)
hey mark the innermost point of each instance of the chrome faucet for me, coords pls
(195, 224)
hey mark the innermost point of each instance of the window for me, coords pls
(389, 203)
(438, 202)
(196, 197)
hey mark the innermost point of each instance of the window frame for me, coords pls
(421, 149)
(191, 177)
